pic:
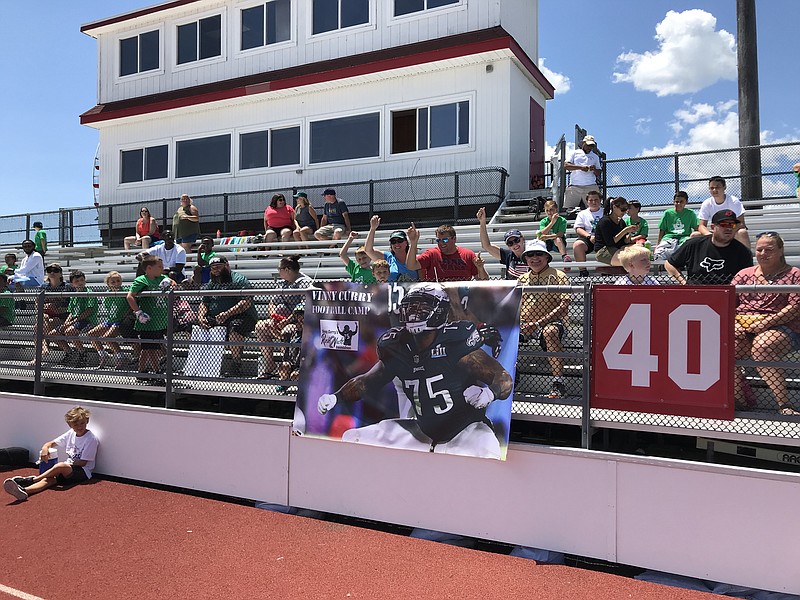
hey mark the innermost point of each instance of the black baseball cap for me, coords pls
(398, 235)
(724, 215)
(301, 195)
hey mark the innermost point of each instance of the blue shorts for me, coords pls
(110, 324)
(188, 239)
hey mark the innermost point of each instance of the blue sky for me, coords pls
(674, 93)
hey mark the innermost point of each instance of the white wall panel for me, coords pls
(385, 31)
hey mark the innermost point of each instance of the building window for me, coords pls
(143, 164)
(430, 127)
(405, 7)
(266, 24)
(330, 15)
(200, 39)
(139, 53)
(271, 148)
(203, 156)
(345, 138)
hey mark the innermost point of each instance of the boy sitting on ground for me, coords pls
(80, 446)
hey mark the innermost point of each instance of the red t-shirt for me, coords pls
(279, 217)
(459, 266)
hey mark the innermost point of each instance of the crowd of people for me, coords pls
(712, 247)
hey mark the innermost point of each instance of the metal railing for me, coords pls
(22, 346)
(108, 224)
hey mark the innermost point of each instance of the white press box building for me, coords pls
(223, 96)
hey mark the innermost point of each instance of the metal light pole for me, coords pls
(749, 122)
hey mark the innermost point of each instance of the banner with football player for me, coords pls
(418, 366)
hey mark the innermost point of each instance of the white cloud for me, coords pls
(642, 125)
(559, 81)
(691, 55)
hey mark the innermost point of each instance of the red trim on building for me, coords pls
(419, 53)
(135, 14)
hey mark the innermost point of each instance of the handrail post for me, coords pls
(110, 225)
(224, 213)
(371, 197)
(169, 396)
(455, 196)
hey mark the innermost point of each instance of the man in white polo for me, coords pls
(584, 167)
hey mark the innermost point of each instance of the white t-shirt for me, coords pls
(173, 256)
(587, 220)
(626, 280)
(709, 207)
(79, 448)
(581, 159)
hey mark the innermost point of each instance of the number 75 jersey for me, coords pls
(432, 378)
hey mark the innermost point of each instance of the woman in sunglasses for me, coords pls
(55, 307)
(396, 256)
(767, 324)
(146, 231)
(612, 234)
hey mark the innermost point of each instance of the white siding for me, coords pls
(516, 16)
(493, 139)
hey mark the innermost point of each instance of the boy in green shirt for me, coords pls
(10, 264)
(202, 273)
(676, 226)
(151, 314)
(633, 218)
(7, 309)
(359, 270)
(553, 230)
(82, 312)
(40, 238)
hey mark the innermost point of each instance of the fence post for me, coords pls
(677, 174)
(503, 177)
(225, 213)
(455, 197)
(38, 386)
(169, 397)
(586, 427)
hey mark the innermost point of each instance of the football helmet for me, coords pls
(425, 307)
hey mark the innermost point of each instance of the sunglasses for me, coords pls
(396, 241)
(767, 234)
(442, 240)
(144, 210)
(537, 253)
(727, 225)
(52, 270)
(623, 208)
(513, 241)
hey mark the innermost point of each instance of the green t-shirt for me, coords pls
(116, 307)
(205, 257)
(560, 226)
(40, 236)
(678, 225)
(4, 268)
(79, 304)
(218, 304)
(359, 274)
(644, 228)
(155, 306)
(7, 309)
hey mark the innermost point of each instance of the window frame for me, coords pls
(269, 129)
(428, 103)
(369, 24)
(200, 136)
(237, 34)
(223, 55)
(425, 13)
(144, 146)
(137, 33)
(343, 115)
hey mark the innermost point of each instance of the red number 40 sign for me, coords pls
(666, 350)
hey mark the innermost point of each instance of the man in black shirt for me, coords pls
(711, 259)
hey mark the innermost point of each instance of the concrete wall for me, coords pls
(714, 522)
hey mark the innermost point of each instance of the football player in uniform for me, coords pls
(444, 372)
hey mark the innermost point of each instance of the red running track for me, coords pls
(112, 541)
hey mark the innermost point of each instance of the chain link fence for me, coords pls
(255, 354)
(653, 180)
